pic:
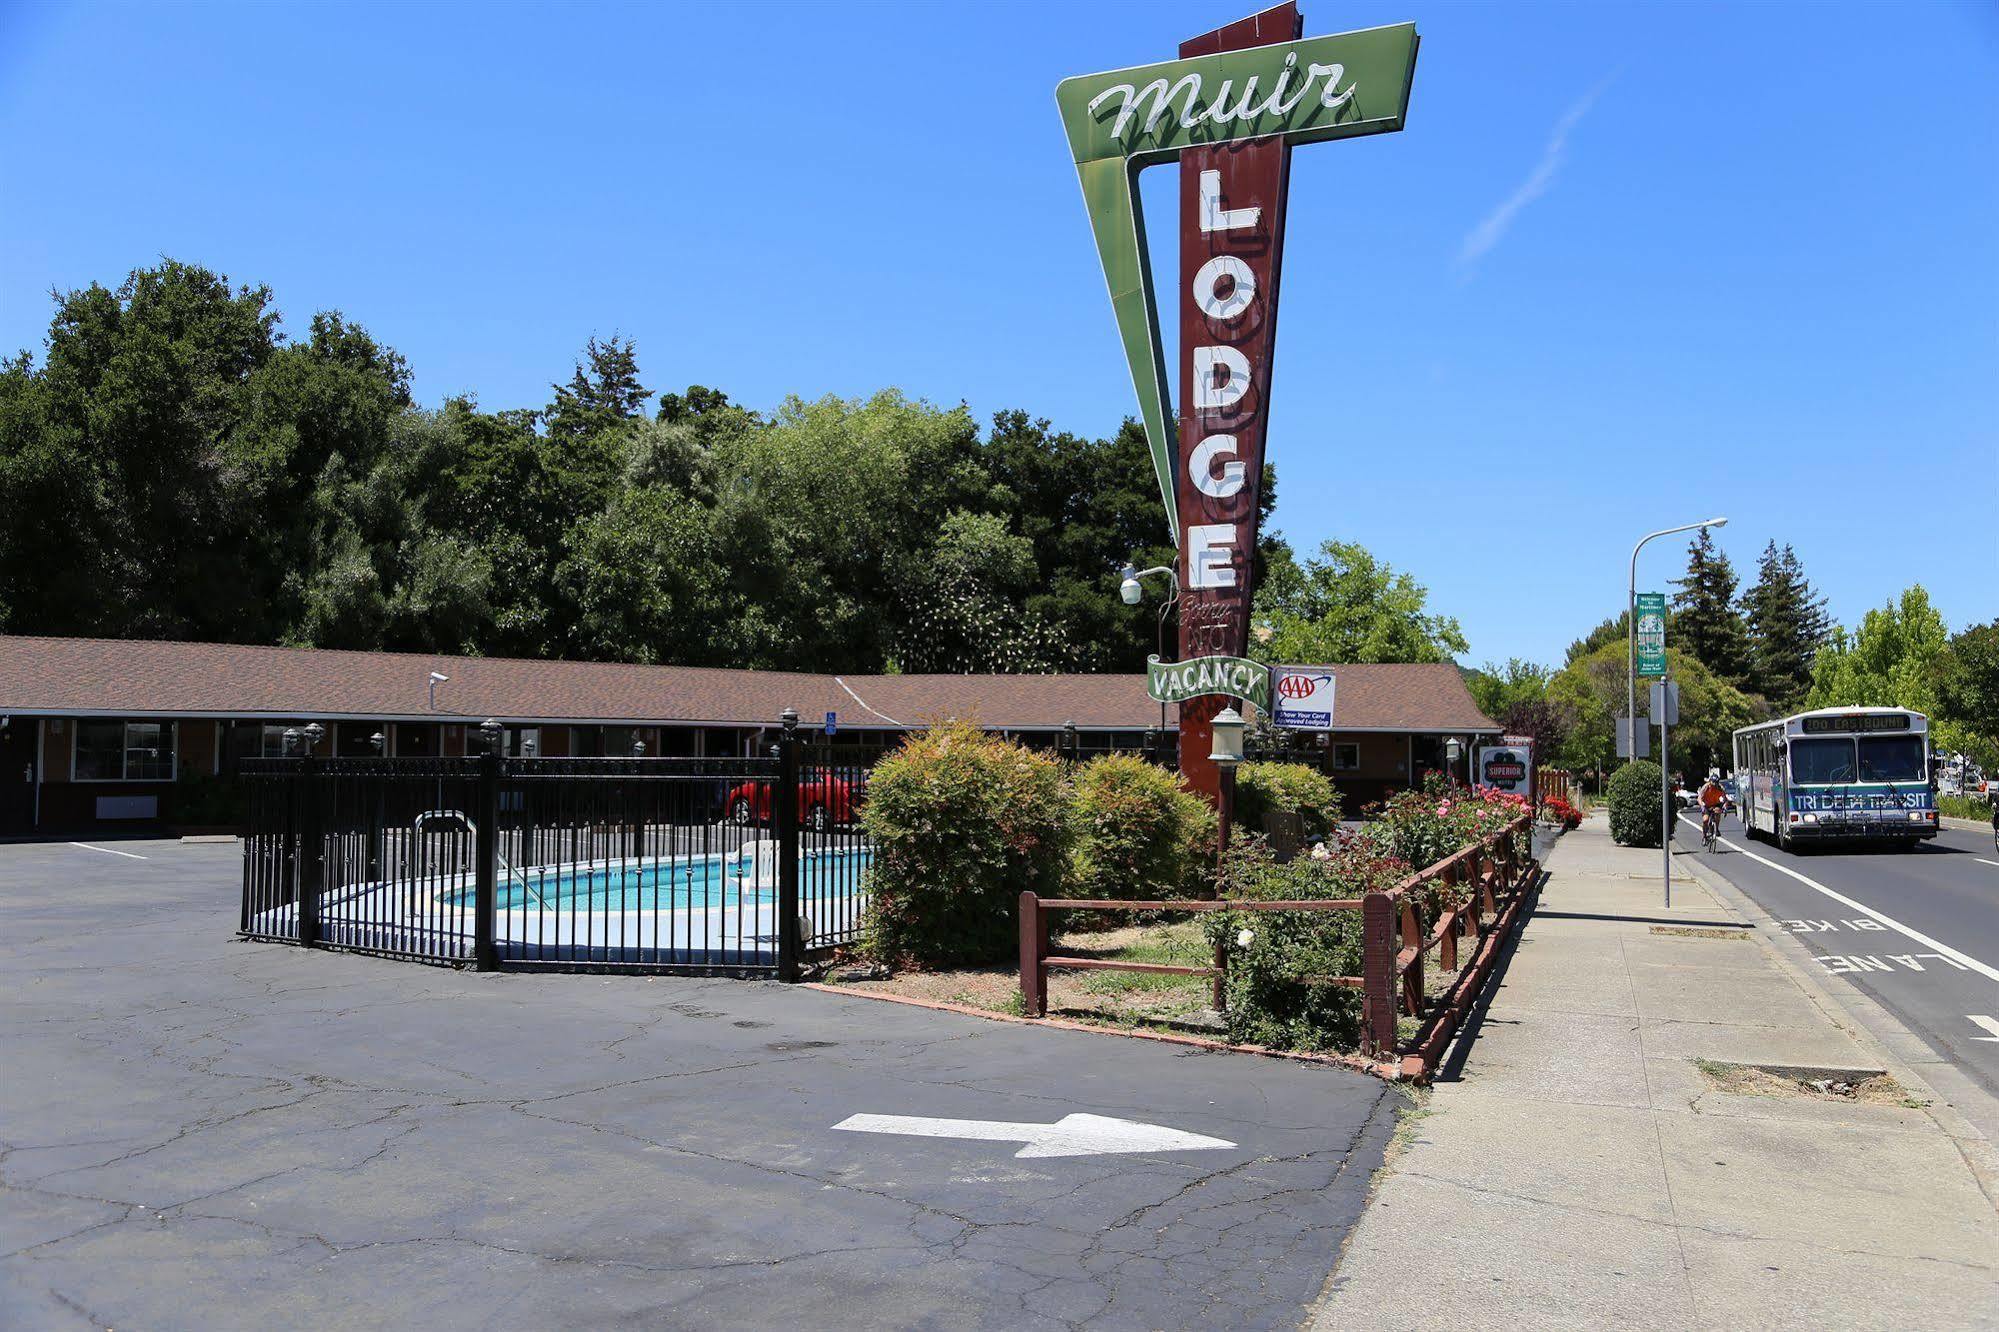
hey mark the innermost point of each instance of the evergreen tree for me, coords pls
(601, 397)
(1787, 623)
(1705, 623)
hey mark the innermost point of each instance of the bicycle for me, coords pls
(1710, 828)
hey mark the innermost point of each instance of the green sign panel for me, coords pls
(1651, 633)
(1180, 681)
(1118, 123)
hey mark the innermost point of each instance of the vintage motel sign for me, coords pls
(1229, 111)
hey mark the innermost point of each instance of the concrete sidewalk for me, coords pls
(1585, 1172)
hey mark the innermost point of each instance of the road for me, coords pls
(1918, 931)
(197, 1132)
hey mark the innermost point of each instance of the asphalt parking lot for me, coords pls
(201, 1132)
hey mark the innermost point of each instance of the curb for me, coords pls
(1878, 1032)
(1966, 825)
(1352, 1063)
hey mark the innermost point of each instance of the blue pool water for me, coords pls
(673, 885)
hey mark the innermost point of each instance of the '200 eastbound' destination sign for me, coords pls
(1235, 677)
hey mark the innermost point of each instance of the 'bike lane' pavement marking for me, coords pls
(1964, 959)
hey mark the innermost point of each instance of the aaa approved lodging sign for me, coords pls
(1301, 697)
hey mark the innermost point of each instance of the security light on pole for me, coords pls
(1128, 585)
(436, 678)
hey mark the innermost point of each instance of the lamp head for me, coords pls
(1228, 728)
(1128, 587)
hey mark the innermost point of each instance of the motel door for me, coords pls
(17, 776)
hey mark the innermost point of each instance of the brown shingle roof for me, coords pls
(144, 678)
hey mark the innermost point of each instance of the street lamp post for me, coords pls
(1631, 624)
(1226, 753)
(1132, 593)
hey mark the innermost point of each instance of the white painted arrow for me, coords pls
(1071, 1135)
(1981, 1020)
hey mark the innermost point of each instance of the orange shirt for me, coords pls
(1712, 795)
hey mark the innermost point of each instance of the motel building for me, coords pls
(101, 736)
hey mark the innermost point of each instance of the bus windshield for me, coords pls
(1822, 760)
(1891, 758)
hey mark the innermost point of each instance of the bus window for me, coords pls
(1891, 758)
(1822, 761)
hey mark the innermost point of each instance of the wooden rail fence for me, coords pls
(1479, 890)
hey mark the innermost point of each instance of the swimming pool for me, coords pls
(678, 884)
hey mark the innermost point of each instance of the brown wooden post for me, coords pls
(1377, 1011)
(1033, 948)
(1447, 947)
(1412, 937)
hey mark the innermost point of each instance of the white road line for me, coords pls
(1987, 1024)
(107, 850)
(1972, 963)
(1983, 861)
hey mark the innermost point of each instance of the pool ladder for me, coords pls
(472, 831)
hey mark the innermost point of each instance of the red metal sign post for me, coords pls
(1231, 239)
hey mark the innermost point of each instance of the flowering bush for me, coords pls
(1272, 955)
(1422, 827)
(1561, 811)
(961, 823)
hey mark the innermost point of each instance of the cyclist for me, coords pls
(1714, 801)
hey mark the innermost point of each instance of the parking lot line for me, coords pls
(107, 850)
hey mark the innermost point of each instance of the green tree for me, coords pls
(1705, 621)
(1497, 689)
(1897, 660)
(1347, 606)
(1616, 629)
(1787, 623)
(1968, 688)
(602, 395)
(1591, 690)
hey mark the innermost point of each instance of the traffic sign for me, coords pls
(1665, 701)
(832, 722)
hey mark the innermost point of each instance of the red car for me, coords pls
(825, 799)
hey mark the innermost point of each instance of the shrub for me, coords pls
(1964, 807)
(1137, 832)
(1273, 954)
(1634, 804)
(1286, 788)
(962, 823)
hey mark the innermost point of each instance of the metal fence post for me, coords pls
(785, 815)
(486, 868)
(1377, 925)
(311, 848)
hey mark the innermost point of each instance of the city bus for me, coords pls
(1838, 773)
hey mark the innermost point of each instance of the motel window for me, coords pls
(1346, 758)
(121, 751)
(523, 741)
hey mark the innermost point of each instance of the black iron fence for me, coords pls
(710, 865)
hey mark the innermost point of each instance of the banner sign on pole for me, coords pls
(1507, 767)
(1233, 677)
(1651, 633)
(1301, 697)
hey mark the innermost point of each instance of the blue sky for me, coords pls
(1627, 266)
